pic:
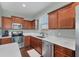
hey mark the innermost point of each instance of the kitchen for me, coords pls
(48, 31)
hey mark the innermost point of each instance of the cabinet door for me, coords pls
(39, 45)
(33, 24)
(52, 20)
(6, 41)
(36, 44)
(6, 23)
(25, 24)
(29, 24)
(66, 18)
(60, 51)
(17, 19)
(26, 41)
(33, 42)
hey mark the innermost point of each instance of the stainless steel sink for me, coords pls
(41, 36)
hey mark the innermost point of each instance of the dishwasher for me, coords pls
(47, 49)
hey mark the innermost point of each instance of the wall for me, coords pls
(65, 33)
(1, 13)
(50, 8)
(77, 31)
(12, 13)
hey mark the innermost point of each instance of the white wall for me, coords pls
(53, 6)
(12, 13)
(1, 11)
(77, 31)
(50, 8)
(65, 33)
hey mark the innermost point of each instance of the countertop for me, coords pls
(65, 42)
(5, 37)
(62, 41)
(10, 50)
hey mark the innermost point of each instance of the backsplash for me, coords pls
(67, 33)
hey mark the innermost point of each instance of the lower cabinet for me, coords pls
(36, 44)
(6, 41)
(47, 49)
(60, 51)
(26, 41)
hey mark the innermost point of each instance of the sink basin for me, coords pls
(41, 36)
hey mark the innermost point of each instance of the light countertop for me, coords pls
(65, 42)
(10, 50)
(5, 37)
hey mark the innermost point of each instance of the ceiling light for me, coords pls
(23, 5)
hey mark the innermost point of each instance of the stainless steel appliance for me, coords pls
(47, 49)
(16, 26)
(18, 37)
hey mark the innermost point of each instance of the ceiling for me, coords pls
(32, 8)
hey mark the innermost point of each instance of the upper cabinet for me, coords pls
(63, 18)
(25, 23)
(53, 21)
(16, 23)
(6, 22)
(29, 24)
(66, 17)
(17, 19)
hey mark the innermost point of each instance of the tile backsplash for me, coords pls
(67, 33)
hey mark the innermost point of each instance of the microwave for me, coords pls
(16, 26)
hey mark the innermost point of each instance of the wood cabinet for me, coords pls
(60, 51)
(63, 18)
(53, 21)
(33, 24)
(17, 19)
(36, 44)
(29, 24)
(66, 17)
(6, 22)
(26, 41)
(6, 40)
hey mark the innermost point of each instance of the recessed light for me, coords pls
(23, 5)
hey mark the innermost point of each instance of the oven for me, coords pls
(18, 38)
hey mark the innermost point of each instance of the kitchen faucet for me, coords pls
(42, 33)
